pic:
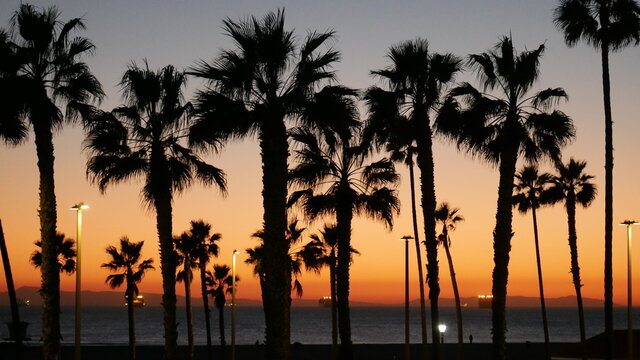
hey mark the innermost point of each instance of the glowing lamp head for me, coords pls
(406, 237)
(236, 252)
(442, 328)
(80, 206)
(629, 222)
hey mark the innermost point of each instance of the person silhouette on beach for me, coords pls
(470, 338)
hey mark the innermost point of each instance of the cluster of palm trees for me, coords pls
(281, 88)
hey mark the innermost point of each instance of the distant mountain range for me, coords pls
(115, 298)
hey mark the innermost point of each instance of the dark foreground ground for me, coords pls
(517, 351)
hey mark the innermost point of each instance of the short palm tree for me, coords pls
(607, 25)
(206, 247)
(573, 187)
(336, 180)
(529, 193)
(255, 89)
(65, 254)
(219, 283)
(186, 246)
(48, 74)
(500, 124)
(142, 139)
(416, 80)
(125, 262)
(448, 217)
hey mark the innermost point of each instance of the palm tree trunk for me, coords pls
(414, 215)
(456, 295)
(334, 309)
(575, 269)
(428, 202)
(545, 324)
(501, 248)
(608, 198)
(15, 316)
(205, 306)
(223, 342)
(344, 217)
(277, 270)
(50, 291)
(187, 301)
(132, 329)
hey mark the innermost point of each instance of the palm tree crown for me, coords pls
(572, 183)
(65, 248)
(530, 190)
(126, 264)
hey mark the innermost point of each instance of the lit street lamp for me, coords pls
(233, 304)
(442, 328)
(628, 224)
(407, 348)
(78, 209)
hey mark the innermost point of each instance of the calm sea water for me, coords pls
(108, 325)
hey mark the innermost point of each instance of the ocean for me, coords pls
(312, 325)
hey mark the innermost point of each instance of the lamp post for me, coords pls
(78, 209)
(407, 348)
(233, 304)
(628, 224)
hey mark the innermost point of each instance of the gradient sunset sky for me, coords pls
(181, 32)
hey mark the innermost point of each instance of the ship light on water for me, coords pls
(485, 301)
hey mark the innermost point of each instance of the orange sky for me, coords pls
(377, 275)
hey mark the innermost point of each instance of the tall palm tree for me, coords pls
(219, 283)
(573, 186)
(13, 301)
(257, 88)
(336, 180)
(49, 75)
(142, 139)
(449, 217)
(125, 263)
(499, 125)
(607, 25)
(206, 247)
(416, 79)
(65, 254)
(186, 246)
(529, 193)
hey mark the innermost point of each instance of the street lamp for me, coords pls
(407, 348)
(78, 209)
(233, 304)
(442, 328)
(628, 224)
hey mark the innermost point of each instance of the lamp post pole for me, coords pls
(628, 224)
(78, 209)
(233, 304)
(442, 328)
(407, 337)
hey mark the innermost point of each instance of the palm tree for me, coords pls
(499, 125)
(573, 187)
(186, 246)
(607, 25)
(13, 301)
(49, 75)
(143, 139)
(255, 89)
(219, 283)
(206, 247)
(125, 263)
(449, 217)
(65, 254)
(416, 79)
(529, 193)
(336, 181)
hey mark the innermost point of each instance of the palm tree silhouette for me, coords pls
(206, 247)
(125, 263)
(607, 25)
(573, 187)
(65, 254)
(416, 79)
(144, 139)
(220, 283)
(186, 247)
(449, 217)
(47, 74)
(255, 89)
(529, 193)
(336, 180)
(319, 252)
(499, 127)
